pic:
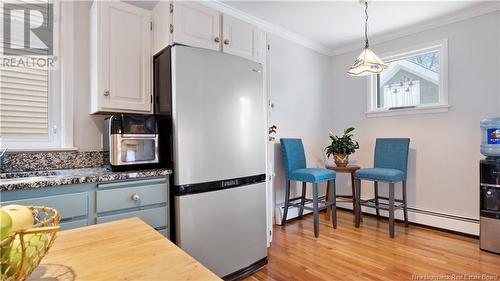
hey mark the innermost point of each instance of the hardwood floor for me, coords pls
(367, 253)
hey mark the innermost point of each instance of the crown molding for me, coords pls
(269, 27)
(481, 9)
(478, 10)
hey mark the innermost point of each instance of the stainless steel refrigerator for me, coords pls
(212, 109)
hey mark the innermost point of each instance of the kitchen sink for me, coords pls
(22, 179)
(31, 174)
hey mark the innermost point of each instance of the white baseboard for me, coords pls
(433, 219)
(443, 221)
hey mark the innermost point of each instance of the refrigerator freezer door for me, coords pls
(218, 116)
(225, 230)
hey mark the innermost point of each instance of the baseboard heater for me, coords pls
(447, 216)
(424, 217)
(438, 220)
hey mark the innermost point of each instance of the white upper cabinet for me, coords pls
(162, 37)
(243, 39)
(195, 25)
(120, 58)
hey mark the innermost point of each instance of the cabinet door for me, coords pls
(126, 58)
(196, 25)
(243, 39)
(161, 26)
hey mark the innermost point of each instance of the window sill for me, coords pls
(41, 149)
(408, 111)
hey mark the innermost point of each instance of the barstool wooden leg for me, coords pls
(353, 187)
(302, 199)
(375, 186)
(358, 203)
(405, 208)
(333, 196)
(287, 201)
(353, 184)
(391, 209)
(315, 209)
(328, 212)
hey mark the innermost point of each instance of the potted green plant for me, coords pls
(342, 147)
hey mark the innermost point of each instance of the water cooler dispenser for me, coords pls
(490, 186)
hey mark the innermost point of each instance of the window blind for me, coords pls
(24, 90)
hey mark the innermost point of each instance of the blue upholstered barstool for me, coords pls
(390, 166)
(295, 169)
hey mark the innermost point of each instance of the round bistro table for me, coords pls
(349, 169)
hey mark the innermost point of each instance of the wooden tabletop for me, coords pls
(121, 250)
(347, 169)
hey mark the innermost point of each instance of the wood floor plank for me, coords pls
(367, 253)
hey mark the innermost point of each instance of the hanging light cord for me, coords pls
(366, 24)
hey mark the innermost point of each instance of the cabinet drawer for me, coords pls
(130, 197)
(68, 205)
(156, 217)
(73, 224)
(164, 232)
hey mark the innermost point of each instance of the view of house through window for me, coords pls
(409, 81)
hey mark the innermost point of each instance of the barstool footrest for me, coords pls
(371, 203)
(300, 198)
(387, 198)
(325, 206)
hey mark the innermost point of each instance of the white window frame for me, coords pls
(441, 106)
(60, 88)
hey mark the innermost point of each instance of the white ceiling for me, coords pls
(336, 24)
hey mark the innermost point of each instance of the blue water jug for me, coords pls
(490, 142)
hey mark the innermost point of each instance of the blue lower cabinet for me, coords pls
(156, 217)
(164, 232)
(65, 225)
(145, 199)
(125, 195)
(86, 204)
(69, 205)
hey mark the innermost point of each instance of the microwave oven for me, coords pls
(131, 142)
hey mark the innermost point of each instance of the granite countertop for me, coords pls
(40, 179)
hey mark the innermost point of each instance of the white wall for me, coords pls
(444, 156)
(300, 89)
(87, 128)
(312, 95)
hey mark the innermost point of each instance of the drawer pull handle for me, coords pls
(135, 197)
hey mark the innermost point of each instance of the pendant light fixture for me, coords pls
(367, 63)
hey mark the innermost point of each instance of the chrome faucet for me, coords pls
(2, 155)
(3, 152)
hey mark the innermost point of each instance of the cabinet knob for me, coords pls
(217, 39)
(106, 93)
(135, 197)
(226, 42)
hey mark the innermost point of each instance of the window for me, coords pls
(30, 86)
(414, 82)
